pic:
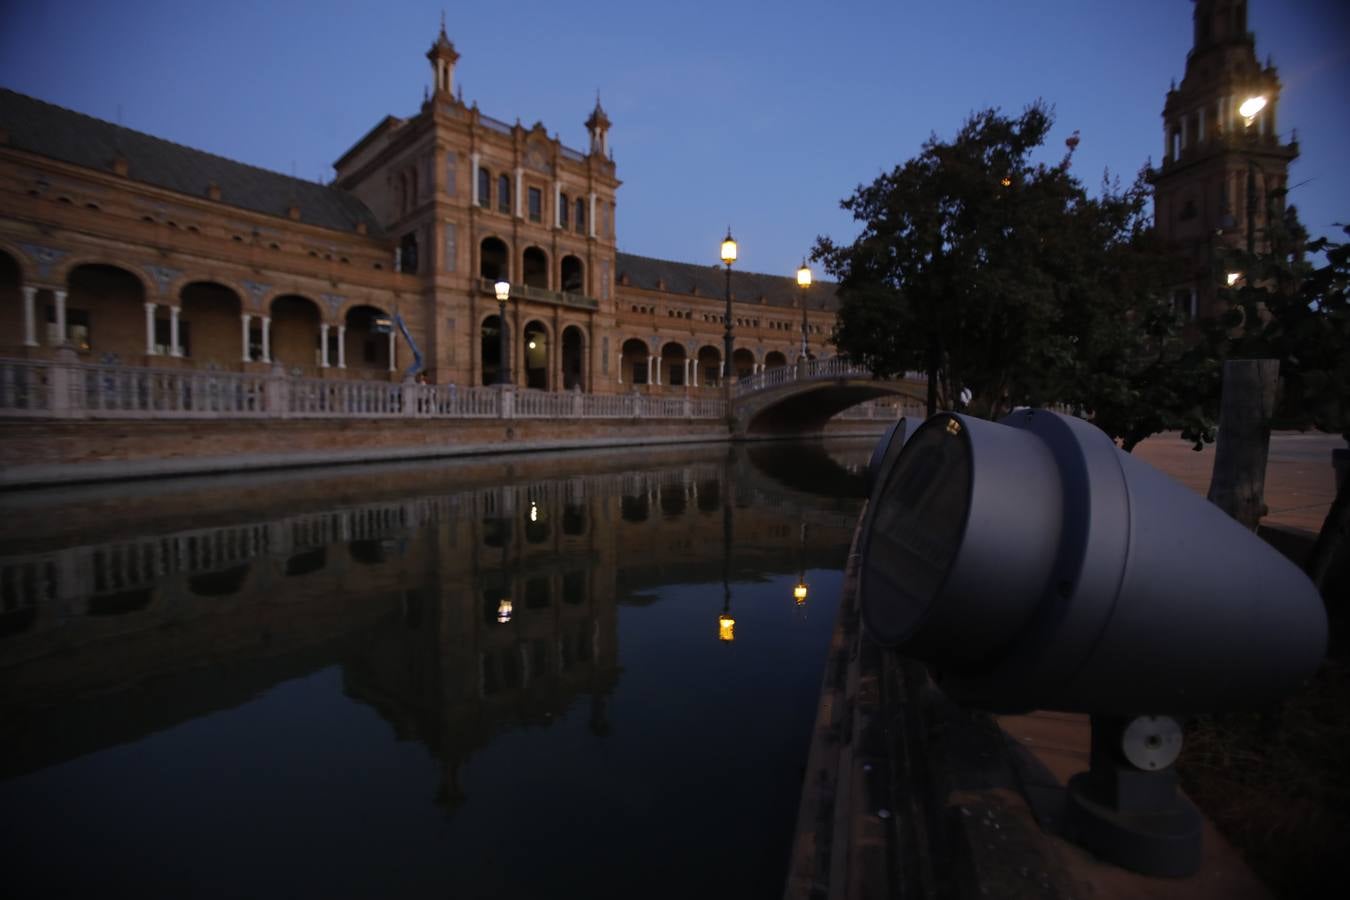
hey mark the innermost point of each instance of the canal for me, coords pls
(559, 675)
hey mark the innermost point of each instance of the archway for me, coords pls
(366, 341)
(709, 366)
(633, 361)
(534, 268)
(494, 260)
(536, 355)
(208, 328)
(743, 362)
(774, 360)
(295, 331)
(673, 364)
(105, 314)
(491, 350)
(573, 272)
(573, 358)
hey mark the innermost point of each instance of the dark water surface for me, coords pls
(307, 684)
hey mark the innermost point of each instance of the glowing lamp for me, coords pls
(726, 628)
(504, 610)
(503, 289)
(728, 248)
(1251, 107)
(804, 276)
(799, 592)
(1234, 278)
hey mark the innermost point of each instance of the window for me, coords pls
(164, 337)
(536, 205)
(563, 210)
(77, 328)
(504, 193)
(408, 253)
(484, 188)
(451, 247)
(451, 173)
(581, 215)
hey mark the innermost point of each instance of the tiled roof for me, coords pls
(68, 136)
(710, 280)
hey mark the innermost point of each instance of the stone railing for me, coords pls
(816, 369)
(73, 390)
(541, 295)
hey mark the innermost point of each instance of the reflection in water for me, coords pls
(541, 639)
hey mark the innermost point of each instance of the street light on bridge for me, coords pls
(503, 290)
(804, 282)
(728, 257)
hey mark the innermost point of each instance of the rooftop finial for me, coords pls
(442, 21)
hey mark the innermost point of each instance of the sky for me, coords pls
(760, 116)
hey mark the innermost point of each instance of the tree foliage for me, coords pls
(1001, 276)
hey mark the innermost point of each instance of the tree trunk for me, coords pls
(1331, 539)
(1238, 484)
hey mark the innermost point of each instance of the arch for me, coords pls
(490, 337)
(774, 360)
(365, 344)
(743, 362)
(572, 275)
(208, 327)
(674, 364)
(633, 361)
(295, 330)
(494, 259)
(534, 268)
(12, 300)
(709, 366)
(61, 271)
(573, 358)
(105, 312)
(536, 354)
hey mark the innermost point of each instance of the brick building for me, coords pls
(135, 250)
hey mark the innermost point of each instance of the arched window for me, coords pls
(484, 188)
(504, 193)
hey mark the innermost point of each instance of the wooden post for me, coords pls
(1238, 483)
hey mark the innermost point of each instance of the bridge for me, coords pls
(802, 398)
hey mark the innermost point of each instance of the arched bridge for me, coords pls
(802, 398)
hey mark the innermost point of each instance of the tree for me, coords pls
(1001, 276)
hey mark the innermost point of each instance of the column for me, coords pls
(693, 372)
(60, 297)
(557, 204)
(590, 223)
(1200, 125)
(342, 346)
(651, 363)
(29, 316)
(323, 345)
(519, 182)
(244, 319)
(1185, 132)
(393, 353)
(473, 176)
(174, 348)
(267, 339)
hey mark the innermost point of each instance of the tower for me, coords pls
(1224, 169)
(598, 126)
(443, 58)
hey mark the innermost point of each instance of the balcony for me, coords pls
(541, 295)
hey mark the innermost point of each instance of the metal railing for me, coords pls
(816, 369)
(541, 295)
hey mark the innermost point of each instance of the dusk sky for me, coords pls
(761, 116)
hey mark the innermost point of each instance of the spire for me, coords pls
(443, 58)
(598, 125)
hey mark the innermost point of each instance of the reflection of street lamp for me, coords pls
(799, 590)
(728, 257)
(504, 610)
(1249, 109)
(726, 625)
(503, 289)
(804, 282)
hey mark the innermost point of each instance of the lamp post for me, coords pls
(503, 289)
(728, 257)
(804, 282)
(1250, 108)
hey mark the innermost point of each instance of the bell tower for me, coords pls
(443, 58)
(1224, 167)
(598, 126)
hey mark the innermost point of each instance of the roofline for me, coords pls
(369, 136)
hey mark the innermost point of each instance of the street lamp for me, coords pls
(728, 257)
(1251, 107)
(804, 282)
(1249, 110)
(1234, 278)
(503, 289)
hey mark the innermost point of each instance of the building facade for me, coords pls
(130, 249)
(1224, 174)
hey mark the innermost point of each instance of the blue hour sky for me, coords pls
(757, 115)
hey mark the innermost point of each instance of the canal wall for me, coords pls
(44, 452)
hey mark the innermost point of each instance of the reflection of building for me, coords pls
(1204, 200)
(137, 250)
(402, 593)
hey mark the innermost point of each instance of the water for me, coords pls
(307, 684)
